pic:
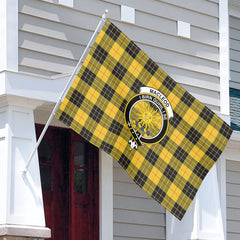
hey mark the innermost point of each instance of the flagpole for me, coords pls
(71, 78)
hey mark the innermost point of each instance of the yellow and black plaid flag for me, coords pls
(123, 103)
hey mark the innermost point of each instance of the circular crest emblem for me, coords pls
(147, 116)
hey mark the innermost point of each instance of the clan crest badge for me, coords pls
(147, 116)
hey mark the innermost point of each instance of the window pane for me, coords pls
(80, 154)
(46, 177)
(44, 152)
(81, 181)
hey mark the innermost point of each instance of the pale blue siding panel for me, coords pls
(233, 199)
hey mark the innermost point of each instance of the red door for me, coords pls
(69, 176)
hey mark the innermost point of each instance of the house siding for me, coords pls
(52, 38)
(136, 215)
(233, 166)
(233, 199)
(234, 30)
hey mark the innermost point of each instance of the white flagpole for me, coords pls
(64, 92)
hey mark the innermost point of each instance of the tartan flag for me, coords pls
(124, 104)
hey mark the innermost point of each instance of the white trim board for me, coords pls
(106, 196)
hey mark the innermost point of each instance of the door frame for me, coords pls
(96, 228)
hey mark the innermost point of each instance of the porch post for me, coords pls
(21, 204)
(203, 219)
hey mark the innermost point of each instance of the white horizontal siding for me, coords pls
(155, 32)
(207, 7)
(233, 199)
(56, 35)
(137, 232)
(195, 14)
(136, 215)
(234, 31)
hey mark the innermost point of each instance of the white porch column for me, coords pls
(203, 219)
(21, 204)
